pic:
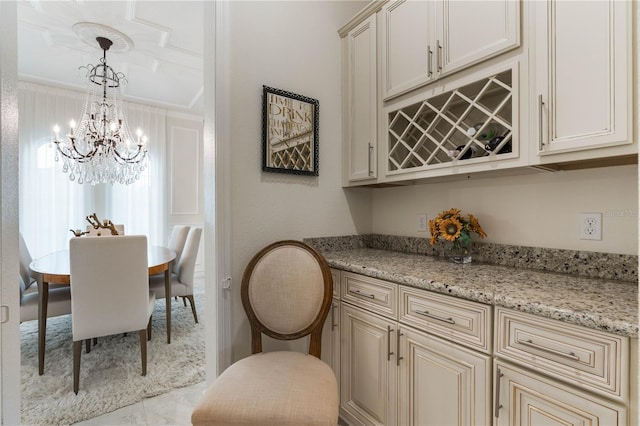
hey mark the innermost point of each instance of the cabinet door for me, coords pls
(331, 339)
(407, 45)
(528, 399)
(583, 74)
(442, 383)
(361, 104)
(471, 31)
(369, 371)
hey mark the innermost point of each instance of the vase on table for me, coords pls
(460, 252)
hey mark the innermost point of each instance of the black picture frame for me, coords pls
(289, 132)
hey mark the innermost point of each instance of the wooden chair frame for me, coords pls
(314, 329)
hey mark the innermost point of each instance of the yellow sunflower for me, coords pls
(433, 228)
(475, 226)
(450, 228)
(447, 214)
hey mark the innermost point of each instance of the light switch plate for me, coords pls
(422, 222)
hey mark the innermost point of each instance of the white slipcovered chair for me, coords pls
(177, 240)
(182, 281)
(59, 295)
(286, 293)
(109, 292)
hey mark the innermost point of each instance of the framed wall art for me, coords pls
(289, 132)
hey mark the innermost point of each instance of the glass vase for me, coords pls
(460, 252)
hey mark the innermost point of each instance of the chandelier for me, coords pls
(100, 148)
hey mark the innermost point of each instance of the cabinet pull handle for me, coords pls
(359, 293)
(540, 138)
(429, 60)
(398, 357)
(333, 316)
(435, 317)
(439, 55)
(498, 406)
(389, 353)
(530, 343)
(369, 159)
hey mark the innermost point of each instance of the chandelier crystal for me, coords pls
(100, 148)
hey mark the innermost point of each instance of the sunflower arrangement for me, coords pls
(452, 226)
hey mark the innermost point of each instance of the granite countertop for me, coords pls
(601, 304)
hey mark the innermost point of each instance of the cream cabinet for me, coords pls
(440, 382)
(553, 373)
(360, 101)
(396, 373)
(369, 372)
(582, 97)
(331, 331)
(472, 126)
(528, 399)
(423, 40)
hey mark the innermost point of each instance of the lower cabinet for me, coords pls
(407, 356)
(369, 370)
(331, 339)
(441, 383)
(393, 374)
(528, 399)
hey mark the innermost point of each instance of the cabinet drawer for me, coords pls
(599, 361)
(462, 321)
(370, 293)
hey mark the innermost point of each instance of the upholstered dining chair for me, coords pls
(109, 292)
(177, 240)
(286, 293)
(182, 281)
(59, 302)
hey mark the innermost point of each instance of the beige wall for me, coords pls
(538, 209)
(292, 46)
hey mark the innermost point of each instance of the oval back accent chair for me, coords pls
(286, 293)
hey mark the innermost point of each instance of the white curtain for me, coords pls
(51, 205)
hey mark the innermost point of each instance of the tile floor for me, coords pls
(173, 408)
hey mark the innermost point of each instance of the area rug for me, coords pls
(110, 375)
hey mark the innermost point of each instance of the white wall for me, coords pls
(185, 174)
(292, 46)
(539, 210)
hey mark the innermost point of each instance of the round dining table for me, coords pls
(54, 268)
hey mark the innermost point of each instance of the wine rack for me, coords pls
(436, 132)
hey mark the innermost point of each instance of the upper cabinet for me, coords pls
(583, 88)
(422, 41)
(360, 97)
(446, 88)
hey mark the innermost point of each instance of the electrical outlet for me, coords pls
(590, 226)
(422, 222)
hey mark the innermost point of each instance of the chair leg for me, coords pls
(143, 350)
(193, 306)
(77, 351)
(149, 328)
(184, 301)
(87, 343)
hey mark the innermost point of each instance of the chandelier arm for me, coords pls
(133, 159)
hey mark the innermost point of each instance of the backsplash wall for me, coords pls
(536, 210)
(579, 263)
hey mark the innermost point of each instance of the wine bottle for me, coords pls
(489, 132)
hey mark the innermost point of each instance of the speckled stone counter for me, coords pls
(601, 304)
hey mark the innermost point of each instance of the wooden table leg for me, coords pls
(167, 291)
(43, 301)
